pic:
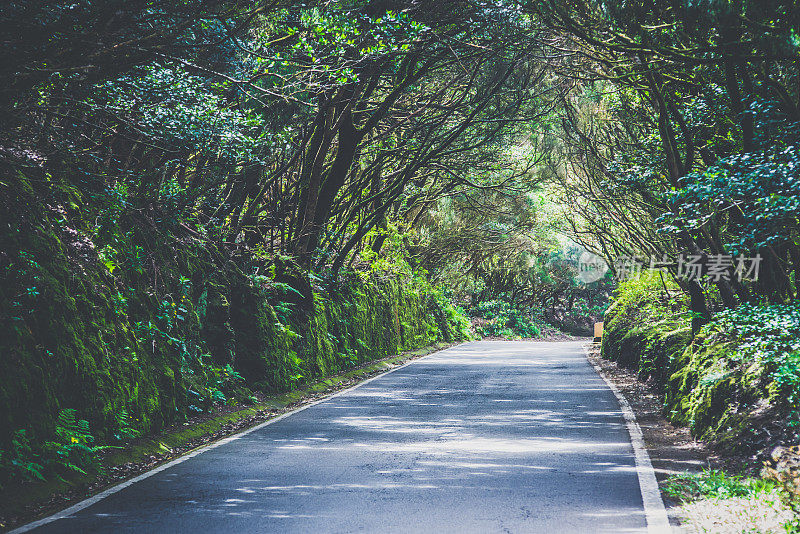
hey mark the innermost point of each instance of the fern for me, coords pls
(69, 427)
(124, 429)
(73, 449)
(20, 461)
(285, 288)
(283, 310)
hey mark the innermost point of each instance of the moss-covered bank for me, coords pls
(136, 329)
(735, 384)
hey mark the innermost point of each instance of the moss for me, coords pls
(259, 342)
(707, 384)
(133, 338)
(360, 320)
(645, 328)
(71, 347)
(214, 313)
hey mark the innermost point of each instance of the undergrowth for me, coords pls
(70, 449)
(742, 366)
(769, 334)
(502, 318)
(715, 483)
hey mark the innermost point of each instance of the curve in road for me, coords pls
(488, 436)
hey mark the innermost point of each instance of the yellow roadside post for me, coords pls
(598, 332)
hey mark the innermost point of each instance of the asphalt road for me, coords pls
(488, 436)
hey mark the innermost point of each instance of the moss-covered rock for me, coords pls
(646, 328)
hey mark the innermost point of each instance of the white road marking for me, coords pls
(654, 509)
(655, 512)
(77, 507)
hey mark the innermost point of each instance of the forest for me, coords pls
(206, 202)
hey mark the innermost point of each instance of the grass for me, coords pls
(715, 483)
(713, 501)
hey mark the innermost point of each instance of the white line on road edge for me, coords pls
(654, 510)
(75, 508)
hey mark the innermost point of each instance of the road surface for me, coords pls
(489, 436)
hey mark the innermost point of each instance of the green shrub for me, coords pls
(715, 483)
(125, 427)
(742, 360)
(767, 335)
(502, 318)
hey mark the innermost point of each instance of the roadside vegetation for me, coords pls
(714, 502)
(684, 150)
(204, 202)
(734, 384)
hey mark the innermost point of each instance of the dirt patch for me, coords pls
(735, 515)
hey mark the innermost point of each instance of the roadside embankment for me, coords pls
(735, 384)
(109, 338)
(34, 500)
